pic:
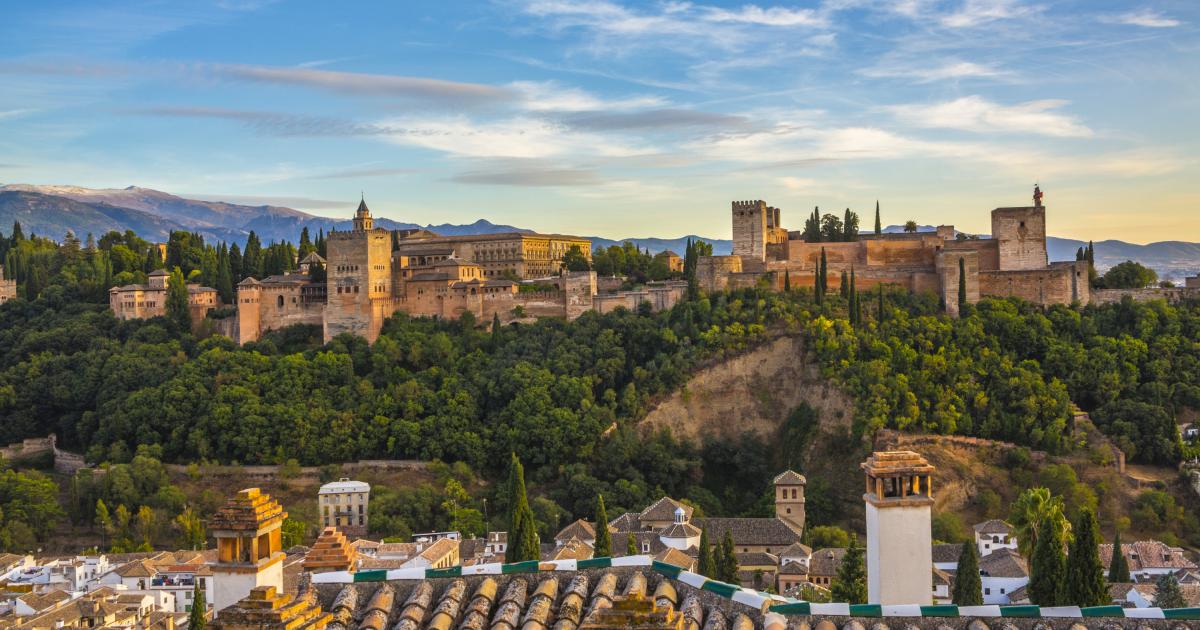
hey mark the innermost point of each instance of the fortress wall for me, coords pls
(916, 252)
(628, 300)
(1177, 294)
(808, 255)
(986, 249)
(948, 273)
(274, 314)
(541, 304)
(1053, 285)
(578, 289)
(713, 272)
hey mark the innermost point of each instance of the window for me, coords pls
(645, 547)
(987, 591)
(279, 302)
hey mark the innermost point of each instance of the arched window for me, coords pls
(279, 301)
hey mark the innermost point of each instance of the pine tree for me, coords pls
(878, 225)
(522, 531)
(844, 289)
(728, 565)
(1048, 569)
(603, 546)
(306, 246)
(968, 588)
(196, 618)
(1118, 567)
(704, 565)
(817, 295)
(154, 260)
(850, 226)
(962, 286)
(850, 584)
(1168, 594)
(177, 301)
(631, 548)
(1085, 574)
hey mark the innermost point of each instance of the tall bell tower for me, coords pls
(362, 217)
(899, 498)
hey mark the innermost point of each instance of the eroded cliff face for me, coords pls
(754, 391)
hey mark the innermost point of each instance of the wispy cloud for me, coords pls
(978, 12)
(363, 84)
(516, 137)
(550, 96)
(272, 123)
(924, 73)
(303, 203)
(528, 173)
(657, 119)
(977, 114)
(364, 172)
(1148, 18)
(769, 16)
(13, 113)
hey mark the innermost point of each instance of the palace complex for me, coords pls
(141, 301)
(1012, 262)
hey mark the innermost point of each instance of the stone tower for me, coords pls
(362, 218)
(249, 547)
(750, 223)
(899, 498)
(789, 499)
(1021, 233)
(249, 309)
(359, 273)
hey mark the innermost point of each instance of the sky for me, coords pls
(620, 119)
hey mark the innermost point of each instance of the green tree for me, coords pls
(197, 618)
(575, 260)
(1048, 567)
(968, 588)
(727, 566)
(191, 529)
(292, 533)
(103, 520)
(705, 562)
(1118, 566)
(910, 226)
(177, 301)
(850, 584)
(844, 287)
(878, 225)
(824, 274)
(828, 537)
(225, 277)
(631, 547)
(1033, 511)
(1085, 574)
(962, 286)
(603, 546)
(1168, 594)
(522, 531)
(1129, 275)
(787, 281)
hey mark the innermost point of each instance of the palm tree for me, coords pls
(1034, 509)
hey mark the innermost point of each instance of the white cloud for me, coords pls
(1146, 17)
(550, 96)
(518, 137)
(974, 113)
(797, 183)
(770, 16)
(929, 74)
(977, 12)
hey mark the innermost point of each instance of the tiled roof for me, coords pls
(136, 569)
(680, 531)
(887, 463)
(664, 510)
(1019, 596)
(44, 601)
(627, 522)
(1150, 554)
(756, 559)
(789, 477)
(993, 526)
(1003, 563)
(769, 532)
(793, 568)
(941, 577)
(558, 601)
(573, 549)
(249, 510)
(946, 552)
(673, 556)
(439, 549)
(825, 562)
(580, 529)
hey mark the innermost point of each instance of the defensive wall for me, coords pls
(64, 463)
(1172, 295)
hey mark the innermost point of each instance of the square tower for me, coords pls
(1021, 233)
(359, 274)
(899, 498)
(789, 499)
(248, 530)
(750, 224)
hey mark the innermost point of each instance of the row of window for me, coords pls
(355, 287)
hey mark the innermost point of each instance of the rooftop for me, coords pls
(250, 510)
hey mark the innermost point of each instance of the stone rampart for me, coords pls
(1171, 295)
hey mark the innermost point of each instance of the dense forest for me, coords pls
(566, 396)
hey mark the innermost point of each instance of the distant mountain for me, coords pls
(52, 210)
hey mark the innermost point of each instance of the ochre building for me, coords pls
(8, 288)
(141, 301)
(1012, 262)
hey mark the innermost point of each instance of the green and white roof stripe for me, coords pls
(764, 602)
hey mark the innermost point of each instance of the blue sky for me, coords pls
(620, 118)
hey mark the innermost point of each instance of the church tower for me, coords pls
(362, 218)
(249, 547)
(899, 500)
(789, 499)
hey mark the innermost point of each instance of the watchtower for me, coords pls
(750, 223)
(899, 499)
(789, 499)
(249, 546)
(1021, 233)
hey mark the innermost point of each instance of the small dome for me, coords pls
(680, 515)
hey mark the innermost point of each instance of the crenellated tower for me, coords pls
(750, 225)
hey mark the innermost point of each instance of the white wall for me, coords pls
(1000, 588)
(899, 554)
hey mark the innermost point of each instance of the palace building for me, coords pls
(142, 301)
(1012, 262)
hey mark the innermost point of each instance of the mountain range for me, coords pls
(153, 214)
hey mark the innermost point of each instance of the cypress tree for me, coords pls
(968, 588)
(705, 562)
(855, 315)
(728, 566)
(850, 584)
(224, 276)
(603, 546)
(824, 274)
(878, 225)
(306, 245)
(1118, 567)
(177, 301)
(522, 531)
(631, 548)
(196, 618)
(252, 257)
(787, 281)
(18, 234)
(962, 286)
(1048, 569)
(844, 289)
(1085, 574)
(235, 263)
(1169, 594)
(879, 318)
